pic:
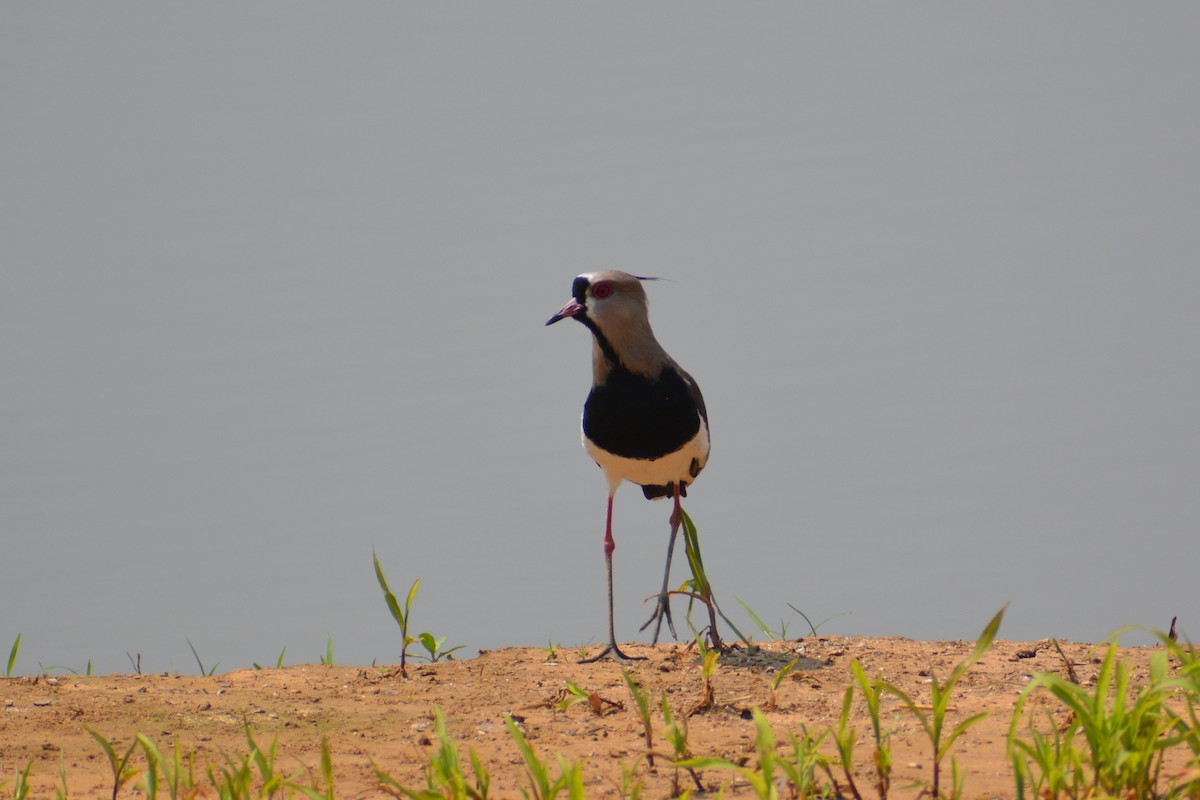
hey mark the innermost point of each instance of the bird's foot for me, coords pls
(613, 652)
(663, 609)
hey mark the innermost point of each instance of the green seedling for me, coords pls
(572, 778)
(641, 704)
(708, 668)
(122, 772)
(767, 633)
(482, 779)
(177, 780)
(312, 792)
(237, 778)
(630, 786)
(444, 778)
(328, 659)
(252, 775)
(61, 792)
(279, 661)
(153, 759)
(12, 656)
(762, 779)
(1116, 738)
(570, 775)
(933, 716)
(20, 782)
(958, 780)
(571, 695)
(208, 673)
(233, 780)
(539, 776)
(434, 648)
(272, 781)
(776, 681)
(814, 628)
(872, 692)
(807, 758)
(87, 670)
(1048, 764)
(800, 772)
(844, 738)
(400, 615)
(1186, 718)
(676, 734)
(699, 588)
(784, 624)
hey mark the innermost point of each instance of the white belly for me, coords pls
(672, 468)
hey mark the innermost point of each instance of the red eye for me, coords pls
(602, 290)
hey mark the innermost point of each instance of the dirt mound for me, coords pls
(373, 716)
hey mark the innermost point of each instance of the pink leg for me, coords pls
(609, 546)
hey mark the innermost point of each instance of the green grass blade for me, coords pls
(122, 772)
(482, 779)
(539, 779)
(205, 672)
(764, 741)
(762, 626)
(12, 656)
(21, 787)
(105, 745)
(640, 699)
(691, 546)
(816, 627)
(431, 644)
(312, 792)
(412, 595)
(327, 767)
(959, 730)
(987, 636)
(153, 760)
(392, 604)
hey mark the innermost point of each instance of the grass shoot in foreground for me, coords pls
(403, 617)
(699, 588)
(933, 716)
(12, 657)
(1116, 736)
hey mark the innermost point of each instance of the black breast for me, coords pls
(638, 417)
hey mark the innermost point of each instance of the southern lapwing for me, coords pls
(644, 420)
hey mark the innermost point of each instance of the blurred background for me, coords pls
(273, 280)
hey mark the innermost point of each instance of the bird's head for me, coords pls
(608, 300)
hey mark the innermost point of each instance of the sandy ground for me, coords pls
(370, 715)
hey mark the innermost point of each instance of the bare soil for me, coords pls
(373, 716)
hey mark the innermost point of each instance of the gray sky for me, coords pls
(274, 280)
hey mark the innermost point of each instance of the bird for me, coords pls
(644, 420)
